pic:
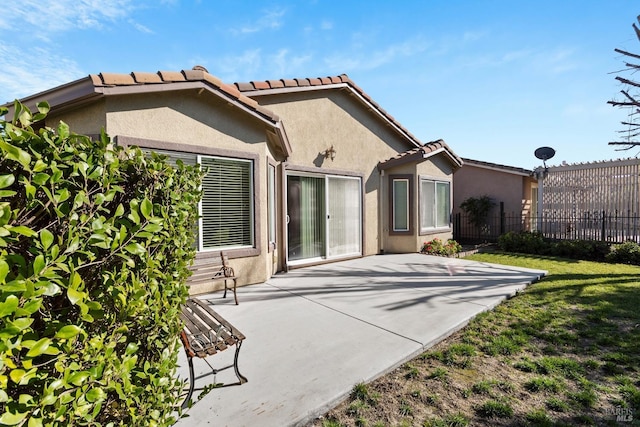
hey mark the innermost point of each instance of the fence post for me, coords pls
(456, 226)
(501, 218)
(604, 216)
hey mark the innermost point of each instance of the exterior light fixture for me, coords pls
(330, 153)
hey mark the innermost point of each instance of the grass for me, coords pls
(566, 351)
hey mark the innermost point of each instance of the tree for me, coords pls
(631, 98)
(478, 208)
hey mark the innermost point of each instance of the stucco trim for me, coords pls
(321, 171)
(124, 140)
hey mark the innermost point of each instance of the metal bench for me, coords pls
(206, 333)
(213, 269)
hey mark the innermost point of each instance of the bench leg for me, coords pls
(192, 383)
(235, 295)
(241, 377)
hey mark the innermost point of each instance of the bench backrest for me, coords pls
(206, 269)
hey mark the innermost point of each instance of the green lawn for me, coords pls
(566, 351)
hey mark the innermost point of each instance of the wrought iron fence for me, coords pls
(613, 227)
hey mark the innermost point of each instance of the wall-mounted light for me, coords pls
(330, 153)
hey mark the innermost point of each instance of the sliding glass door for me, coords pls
(324, 217)
(306, 217)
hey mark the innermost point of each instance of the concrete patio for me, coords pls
(315, 332)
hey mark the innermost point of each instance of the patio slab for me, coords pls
(315, 332)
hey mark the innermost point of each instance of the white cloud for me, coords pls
(269, 20)
(326, 25)
(253, 64)
(62, 15)
(27, 73)
(348, 61)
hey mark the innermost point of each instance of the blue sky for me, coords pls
(494, 79)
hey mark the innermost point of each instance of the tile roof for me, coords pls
(257, 88)
(421, 153)
(197, 74)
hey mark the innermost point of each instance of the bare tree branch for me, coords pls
(631, 144)
(627, 81)
(624, 52)
(632, 131)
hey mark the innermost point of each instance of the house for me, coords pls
(513, 190)
(301, 171)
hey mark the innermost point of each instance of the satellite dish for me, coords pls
(545, 153)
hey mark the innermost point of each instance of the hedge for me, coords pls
(95, 241)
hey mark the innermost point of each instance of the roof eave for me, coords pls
(77, 92)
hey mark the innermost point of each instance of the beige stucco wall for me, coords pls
(188, 119)
(88, 120)
(316, 121)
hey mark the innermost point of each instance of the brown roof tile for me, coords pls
(196, 74)
(213, 80)
(303, 82)
(415, 155)
(290, 83)
(171, 76)
(245, 86)
(261, 85)
(146, 77)
(315, 82)
(326, 80)
(275, 83)
(112, 79)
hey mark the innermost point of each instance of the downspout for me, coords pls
(381, 214)
(284, 217)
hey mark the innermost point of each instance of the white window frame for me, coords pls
(434, 205)
(407, 181)
(201, 247)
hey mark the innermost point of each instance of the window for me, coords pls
(435, 204)
(226, 215)
(400, 204)
(226, 209)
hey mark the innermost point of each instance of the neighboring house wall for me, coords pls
(514, 187)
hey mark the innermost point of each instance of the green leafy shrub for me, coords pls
(95, 242)
(532, 242)
(438, 247)
(525, 242)
(579, 249)
(625, 253)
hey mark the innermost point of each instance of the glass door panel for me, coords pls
(306, 217)
(344, 217)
